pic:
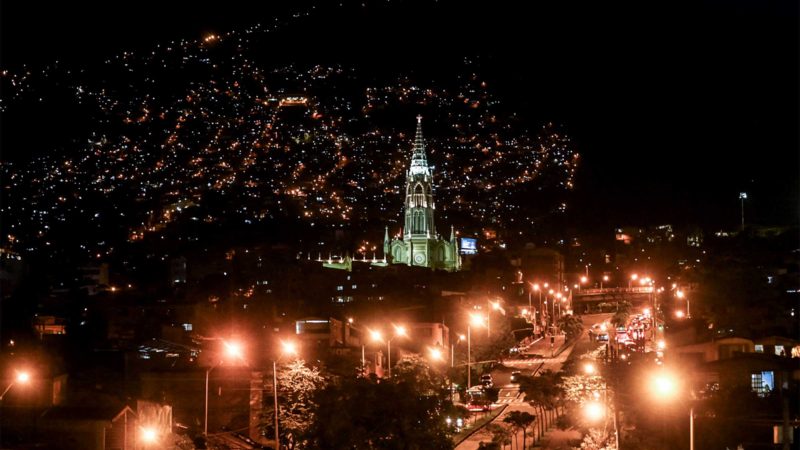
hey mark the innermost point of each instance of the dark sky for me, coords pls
(676, 106)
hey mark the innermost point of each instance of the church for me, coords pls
(419, 244)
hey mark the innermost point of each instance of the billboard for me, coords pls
(469, 246)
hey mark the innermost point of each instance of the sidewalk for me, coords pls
(555, 439)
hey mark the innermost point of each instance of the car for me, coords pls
(602, 337)
(515, 376)
(486, 380)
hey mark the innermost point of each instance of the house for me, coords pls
(90, 427)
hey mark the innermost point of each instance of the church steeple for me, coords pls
(419, 160)
(419, 192)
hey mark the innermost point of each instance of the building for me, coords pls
(420, 243)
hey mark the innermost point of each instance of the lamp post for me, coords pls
(477, 320)
(21, 378)
(232, 349)
(742, 198)
(681, 294)
(399, 330)
(604, 279)
(595, 411)
(666, 387)
(287, 348)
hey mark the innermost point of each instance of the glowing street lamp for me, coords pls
(149, 436)
(681, 294)
(679, 314)
(594, 411)
(22, 377)
(589, 368)
(399, 331)
(474, 320)
(665, 386)
(233, 349)
(435, 354)
(603, 280)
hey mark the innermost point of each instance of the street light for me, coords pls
(742, 198)
(665, 386)
(681, 294)
(22, 377)
(634, 277)
(232, 349)
(541, 310)
(602, 280)
(287, 348)
(149, 436)
(399, 330)
(476, 320)
(436, 354)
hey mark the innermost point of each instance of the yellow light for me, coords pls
(535, 287)
(634, 277)
(664, 385)
(23, 377)
(680, 294)
(289, 348)
(436, 354)
(594, 411)
(375, 335)
(588, 368)
(584, 280)
(476, 320)
(679, 314)
(661, 345)
(350, 320)
(462, 337)
(233, 349)
(400, 330)
(605, 277)
(546, 285)
(149, 435)
(495, 305)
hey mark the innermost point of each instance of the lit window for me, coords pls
(780, 351)
(759, 348)
(762, 383)
(187, 327)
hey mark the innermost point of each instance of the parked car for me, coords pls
(515, 376)
(486, 380)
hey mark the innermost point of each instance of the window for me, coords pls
(339, 288)
(762, 383)
(759, 348)
(187, 327)
(779, 350)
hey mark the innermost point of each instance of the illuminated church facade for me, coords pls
(419, 243)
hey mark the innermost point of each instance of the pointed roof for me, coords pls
(419, 161)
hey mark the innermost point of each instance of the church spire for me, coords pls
(419, 161)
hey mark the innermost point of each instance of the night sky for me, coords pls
(675, 106)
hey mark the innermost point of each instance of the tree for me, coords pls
(571, 325)
(416, 371)
(501, 435)
(520, 420)
(365, 414)
(297, 386)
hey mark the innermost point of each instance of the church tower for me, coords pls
(420, 244)
(419, 192)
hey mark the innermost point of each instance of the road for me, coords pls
(509, 393)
